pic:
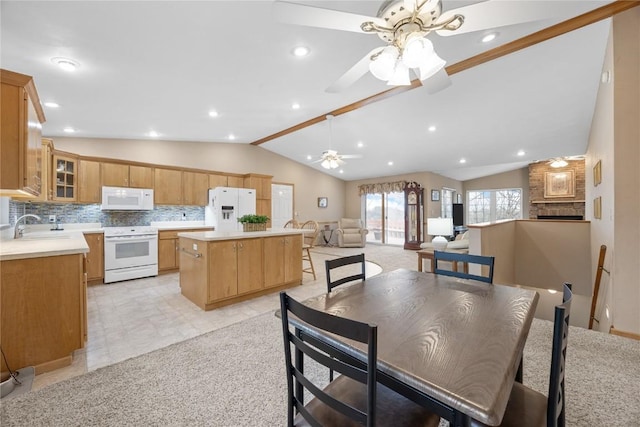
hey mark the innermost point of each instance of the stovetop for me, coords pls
(129, 231)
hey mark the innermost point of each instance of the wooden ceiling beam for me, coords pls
(564, 27)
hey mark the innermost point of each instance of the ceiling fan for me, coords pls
(330, 159)
(404, 25)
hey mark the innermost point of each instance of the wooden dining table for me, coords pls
(450, 344)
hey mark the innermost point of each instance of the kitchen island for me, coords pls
(43, 300)
(221, 268)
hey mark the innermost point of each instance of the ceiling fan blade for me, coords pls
(299, 14)
(437, 82)
(351, 156)
(353, 74)
(497, 13)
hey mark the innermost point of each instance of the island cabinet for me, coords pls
(282, 260)
(168, 257)
(218, 269)
(43, 311)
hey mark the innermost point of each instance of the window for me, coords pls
(446, 204)
(494, 205)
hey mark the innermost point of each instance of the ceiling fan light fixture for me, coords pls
(383, 65)
(400, 75)
(431, 66)
(417, 50)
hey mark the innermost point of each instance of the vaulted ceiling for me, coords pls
(164, 65)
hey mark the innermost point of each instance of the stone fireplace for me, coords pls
(557, 207)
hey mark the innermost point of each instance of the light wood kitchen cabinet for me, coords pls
(236, 267)
(282, 260)
(20, 135)
(89, 188)
(194, 188)
(64, 177)
(168, 256)
(216, 180)
(235, 181)
(43, 311)
(123, 175)
(262, 185)
(168, 186)
(95, 257)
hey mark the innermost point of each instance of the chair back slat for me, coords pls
(333, 264)
(487, 261)
(556, 398)
(310, 238)
(319, 348)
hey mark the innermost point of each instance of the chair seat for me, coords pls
(392, 409)
(526, 408)
(306, 246)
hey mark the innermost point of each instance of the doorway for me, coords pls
(384, 218)
(281, 204)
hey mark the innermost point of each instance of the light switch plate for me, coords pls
(195, 246)
(52, 219)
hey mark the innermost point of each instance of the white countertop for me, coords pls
(234, 235)
(177, 225)
(43, 244)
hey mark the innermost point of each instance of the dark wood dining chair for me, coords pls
(333, 264)
(354, 398)
(467, 259)
(529, 408)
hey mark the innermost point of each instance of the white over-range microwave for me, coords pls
(127, 199)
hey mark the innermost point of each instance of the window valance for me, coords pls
(382, 187)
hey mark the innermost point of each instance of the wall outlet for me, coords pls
(52, 219)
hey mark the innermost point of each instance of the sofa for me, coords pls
(461, 242)
(351, 233)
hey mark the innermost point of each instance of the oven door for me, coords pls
(130, 251)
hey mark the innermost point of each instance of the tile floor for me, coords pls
(127, 319)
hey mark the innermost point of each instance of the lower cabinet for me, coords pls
(221, 272)
(43, 311)
(282, 260)
(95, 257)
(168, 246)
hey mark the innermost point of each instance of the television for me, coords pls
(458, 214)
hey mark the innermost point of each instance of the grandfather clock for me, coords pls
(413, 196)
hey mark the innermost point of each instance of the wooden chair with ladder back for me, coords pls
(488, 261)
(309, 241)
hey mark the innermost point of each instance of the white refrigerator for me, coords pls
(226, 205)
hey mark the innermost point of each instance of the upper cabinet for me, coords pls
(65, 174)
(194, 188)
(262, 185)
(20, 136)
(89, 188)
(168, 186)
(123, 175)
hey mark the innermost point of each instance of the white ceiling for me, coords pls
(162, 65)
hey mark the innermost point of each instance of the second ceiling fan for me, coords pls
(404, 25)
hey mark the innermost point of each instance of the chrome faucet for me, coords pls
(17, 232)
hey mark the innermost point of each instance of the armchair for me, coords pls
(351, 233)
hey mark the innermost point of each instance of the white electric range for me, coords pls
(130, 253)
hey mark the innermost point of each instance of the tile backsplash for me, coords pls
(69, 213)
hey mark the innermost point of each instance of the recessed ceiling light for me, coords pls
(521, 153)
(489, 37)
(360, 144)
(300, 51)
(463, 161)
(153, 134)
(231, 137)
(309, 157)
(295, 106)
(390, 163)
(69, 130)
(65, 63)
(213, 113)
(552, 291)
(341, 171)
(432, 128)
(51, 105)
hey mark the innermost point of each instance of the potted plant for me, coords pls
(254, 222)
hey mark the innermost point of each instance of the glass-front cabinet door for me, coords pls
(413, 194)
(64, 178)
